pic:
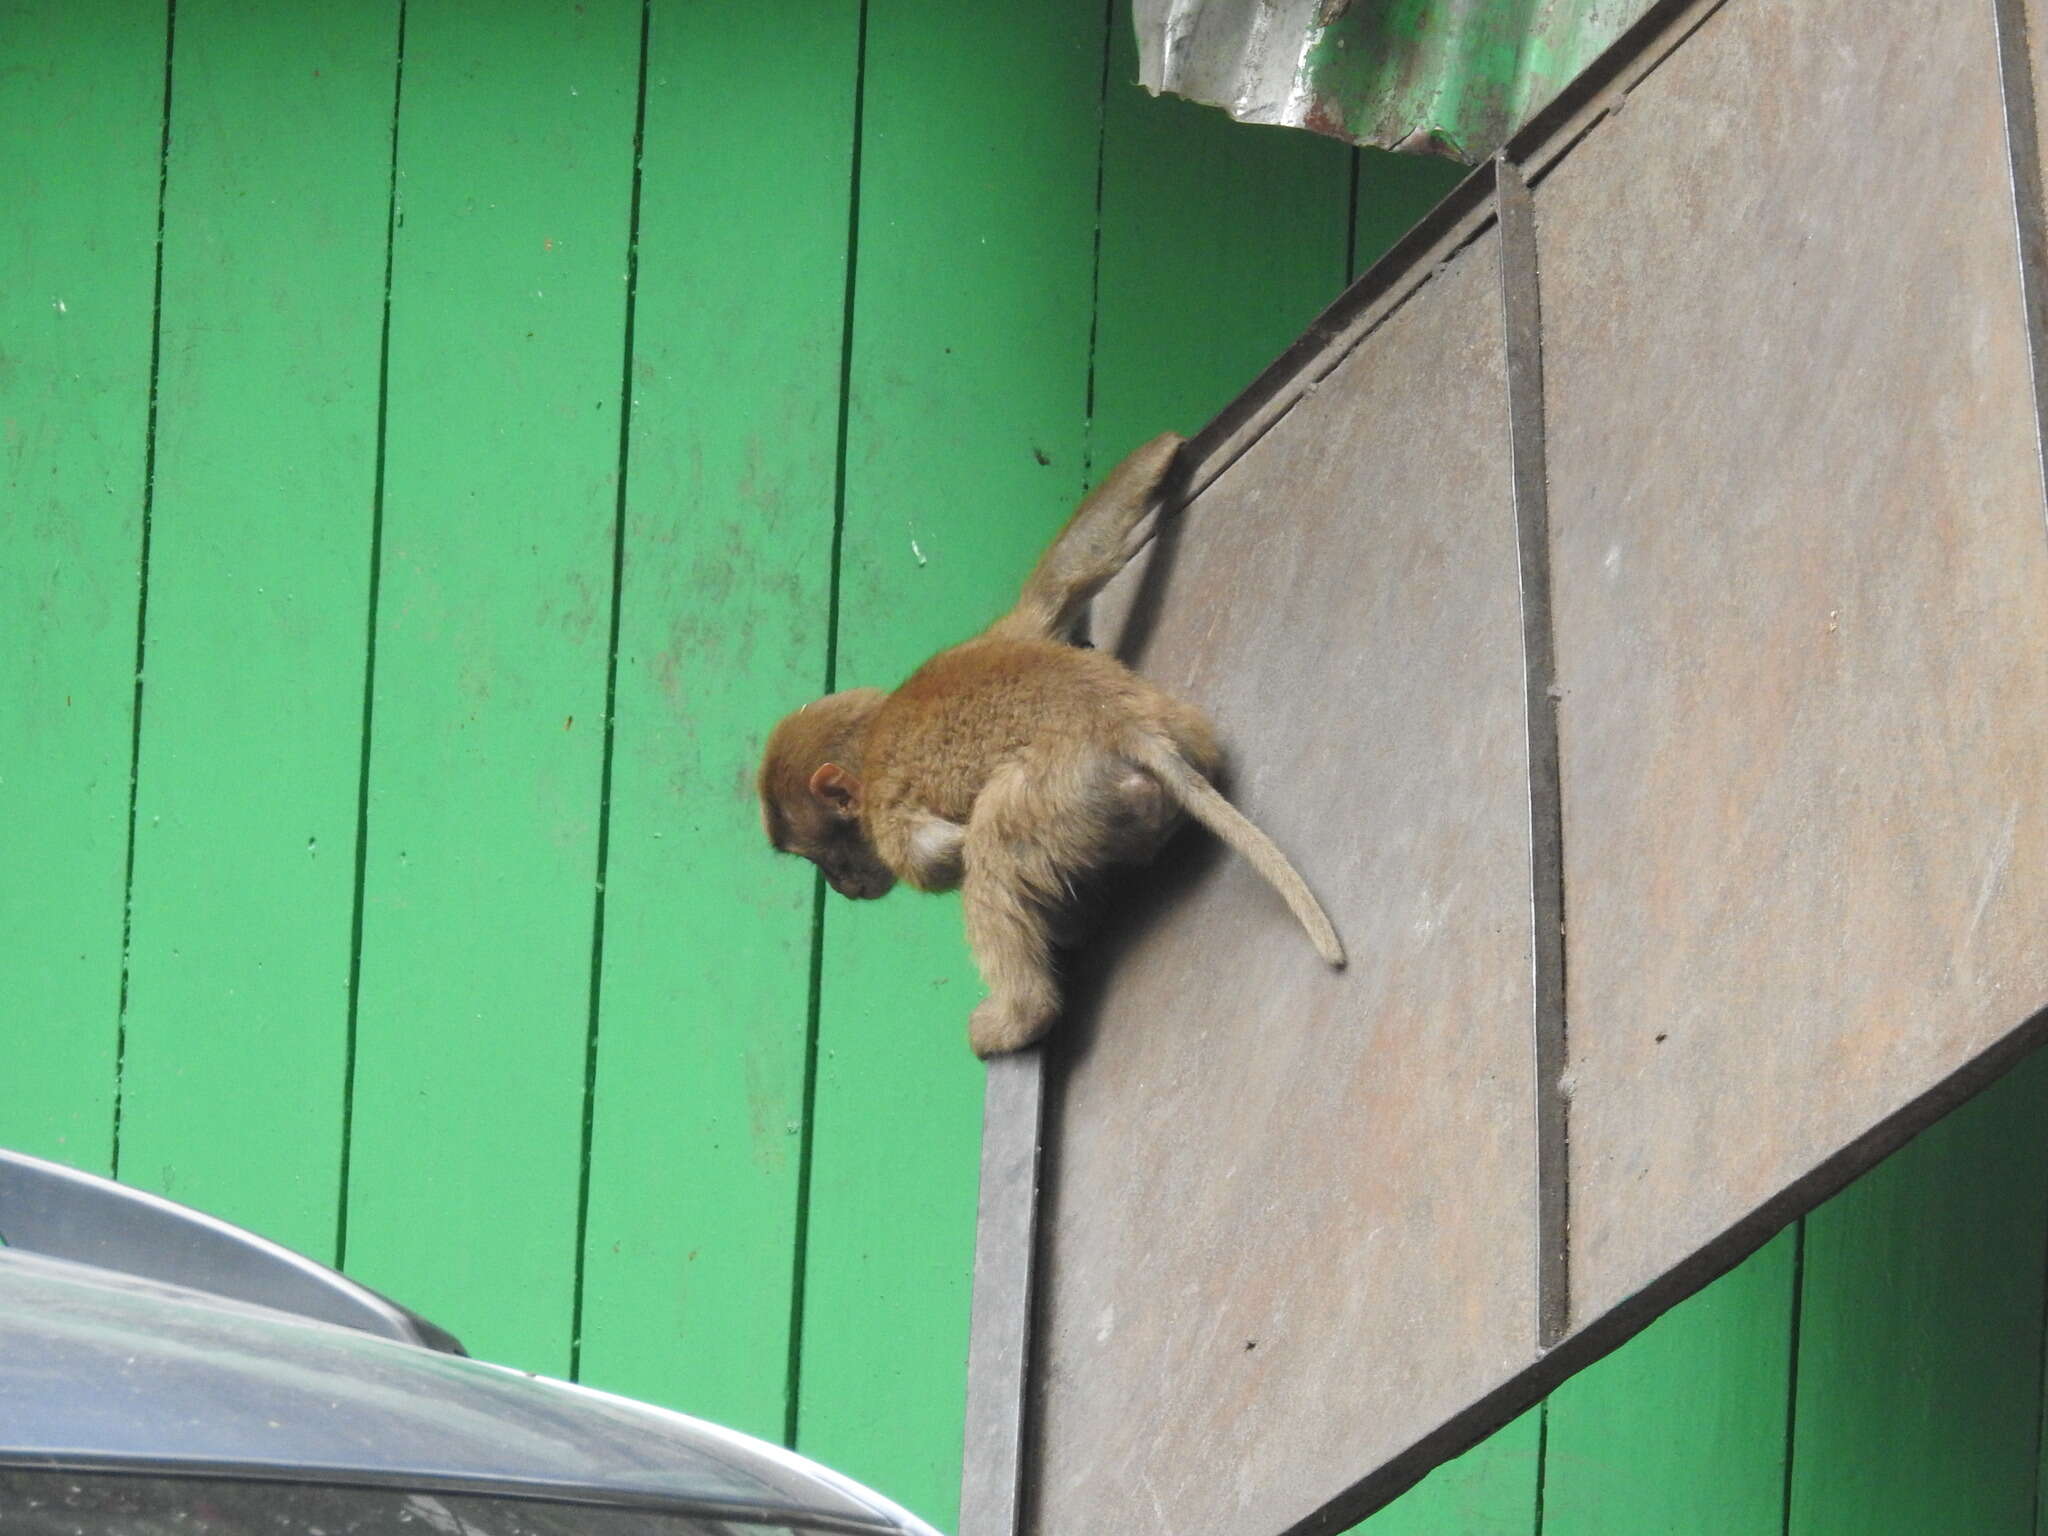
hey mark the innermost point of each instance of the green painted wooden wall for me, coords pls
(437, 437)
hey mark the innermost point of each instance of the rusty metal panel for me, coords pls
(1263, 1174)
(1801, 587)
(1769, 358)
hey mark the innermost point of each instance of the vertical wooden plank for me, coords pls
(1920, 1386)
(515, 145)
(1683, 1429)
(81, 114)
(1220, 242)
(724, 609)
(1393, 191)
(969, 373)
(1488, 1491)
(244, 883)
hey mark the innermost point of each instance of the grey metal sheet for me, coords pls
(1291, 1213)
(1801, 591)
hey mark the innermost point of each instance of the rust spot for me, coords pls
(566, 724)
(1326, 117)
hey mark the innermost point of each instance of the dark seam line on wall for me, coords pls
(1792, 1371)
(801, 1231)
(2023, 166)
(611, 695)
(800, 1238)
(1351, 218)
(2040, 1398)
(1522, 316)
(1095, 255)
(376, 587)
(1542, 1462)
(156, 348)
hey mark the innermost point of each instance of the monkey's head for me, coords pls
(811, 792)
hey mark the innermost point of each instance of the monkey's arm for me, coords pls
(1099, 540)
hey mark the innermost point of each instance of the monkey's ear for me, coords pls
(839, 790)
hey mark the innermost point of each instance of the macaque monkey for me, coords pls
(1014, 766)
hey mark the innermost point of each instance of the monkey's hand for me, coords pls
(999, 1025)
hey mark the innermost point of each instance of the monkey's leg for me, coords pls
(1013, 950)
(1137, 814)
(1010, 886)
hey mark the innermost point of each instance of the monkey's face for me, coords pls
(810, 805)
(813, 830)
(850, 866)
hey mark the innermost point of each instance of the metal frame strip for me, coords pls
(999, 1330)
(2030, 225)
(1521, 309)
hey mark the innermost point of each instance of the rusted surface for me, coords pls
(1292, 1212)
(1801, 588)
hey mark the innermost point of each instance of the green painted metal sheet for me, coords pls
(1457, 77)
(1685, 1430)
(1920, 1391)
(81, 122)
(1453, 77)
(515, 156)
(244, 885)
(695, 1166)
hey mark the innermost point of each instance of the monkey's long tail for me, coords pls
(1200, 799)
(1106, 530)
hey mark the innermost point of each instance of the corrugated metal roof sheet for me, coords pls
(1453, 77)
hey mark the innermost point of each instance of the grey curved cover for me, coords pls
(50, 1209)
(101, 1370)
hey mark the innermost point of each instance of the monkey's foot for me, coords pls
(999, 1025)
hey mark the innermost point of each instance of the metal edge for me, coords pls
(1522, 339)
(1622, 1322)
(2030, 230)
(66, 1213)
(1005, 1273)
(454, 1485)
(1603, 86)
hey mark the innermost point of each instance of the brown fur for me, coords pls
(1014, 767)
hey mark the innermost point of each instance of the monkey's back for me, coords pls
(934, 742)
